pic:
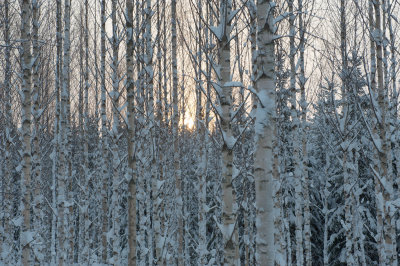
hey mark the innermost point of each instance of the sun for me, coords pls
(189, 122)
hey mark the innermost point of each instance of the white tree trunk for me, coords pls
(83, 255)
(26, 65)
(131, 137)
(303, 127)
(104, 136)
(203, 152)
(385, 175)
(382, 173)
(325, 213)
(395, 95)
(230, 232)
(297, 166)
(115, 41)
(56, 150)
(151, 184)
(379, 225)
(159, 164)
(175, 128)
(348, 165)
(36, 164)
(264, 126)
(7, 179)
(64, 131)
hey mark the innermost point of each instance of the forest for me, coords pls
(199, 132)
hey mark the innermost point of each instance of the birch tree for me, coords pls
(26, 163)
(264, 127)
(62, 197)
(229, 227)
(8, 114)
(131, 135)
(57, 138)
(348, 163)
(36, 113)
(304, 152)
(177, 170)
(380, 137)
(297, 167)
(225, 144)
(104, 133)
(85, 107)
(115, 94)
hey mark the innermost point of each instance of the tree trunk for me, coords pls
(36, 164)
(203, 152)
(57, 135)
(7, 180)
(175, 127)
(104, 135)
(384, 154)
(63, 204)
(115, 41)
(86, 194)
(131, 137)
(26, 67)
(230, 232)
(297, 167)
(303, 132)
(264, 126)
(347, 154)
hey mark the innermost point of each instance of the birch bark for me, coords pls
(395, 93)
(303, 128)
(36, 165)
(104, 134)
(347, 154)
(5, 238)
(131, 137)
(64, 116)
(26, 73)
(297, 169)
(230, 232)
(385, 177)
(379, 226)
(381, 134)
(158, 224)
(115, 41)
(203, 152)
(177, 167)
(26, 65)
(56, 150)
(264, 127)
(37, 201)
(151, 185)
